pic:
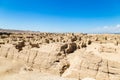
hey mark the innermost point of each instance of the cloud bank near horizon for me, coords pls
(107, 29)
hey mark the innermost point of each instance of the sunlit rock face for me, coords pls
(68, 55)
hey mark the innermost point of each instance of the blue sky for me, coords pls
(61, 15)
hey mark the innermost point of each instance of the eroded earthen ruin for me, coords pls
(69, 55)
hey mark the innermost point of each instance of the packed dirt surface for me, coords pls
(59, 56)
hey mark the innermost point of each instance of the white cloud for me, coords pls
(118, 26)
(107, 29)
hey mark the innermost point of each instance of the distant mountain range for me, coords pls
(28, 31)
(16, 31)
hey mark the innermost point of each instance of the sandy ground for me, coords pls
(13, 70)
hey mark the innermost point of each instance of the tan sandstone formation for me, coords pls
(71, 55)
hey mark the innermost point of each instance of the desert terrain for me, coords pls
(59, 56)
